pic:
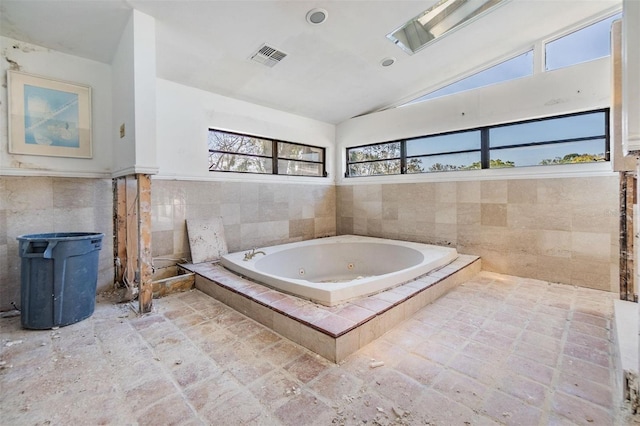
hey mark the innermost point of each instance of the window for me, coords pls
(567, 139)
(586, 44)
(234, 152)
(300, 160)
(378, 159)
(581, 138)
(453, 151)
(520, 66)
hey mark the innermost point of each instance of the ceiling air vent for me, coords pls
(268, 56)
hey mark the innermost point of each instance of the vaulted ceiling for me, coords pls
(331, 72)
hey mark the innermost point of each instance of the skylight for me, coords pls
(435, 22)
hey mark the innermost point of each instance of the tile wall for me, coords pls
(254, 214)
(561, 230)
(35, 205)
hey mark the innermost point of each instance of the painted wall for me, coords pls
(53, 194)
(257, 210)
(555, 223)
(185, 114)
(631, 75)
(29, 58)
(124, 148)
(487, 218)
(582, 87)
(134, 98)
(631, 107)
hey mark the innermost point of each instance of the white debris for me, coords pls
(376, 364)
(13, 342)
(398, 412)
(293, 390)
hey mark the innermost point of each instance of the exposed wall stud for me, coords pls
(120, 229)
(132, 245)
(145, 297)
(628, 198)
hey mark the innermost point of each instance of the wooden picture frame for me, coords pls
(48, 117)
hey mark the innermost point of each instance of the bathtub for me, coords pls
(334, 270)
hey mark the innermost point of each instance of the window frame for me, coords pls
(450, 152)
(274, 157)
(571, 31)
(485, 144)
(401, 158)
(539, 53)
(428, 96)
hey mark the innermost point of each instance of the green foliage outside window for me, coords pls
(539, 142)
(233, 152)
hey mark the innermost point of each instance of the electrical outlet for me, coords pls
(122, 131)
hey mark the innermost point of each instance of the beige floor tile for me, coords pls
(511, 411)
(495, 350)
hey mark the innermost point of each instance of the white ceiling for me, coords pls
(332, 71)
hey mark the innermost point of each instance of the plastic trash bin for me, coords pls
(58, 278)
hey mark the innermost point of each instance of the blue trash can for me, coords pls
(58, 278)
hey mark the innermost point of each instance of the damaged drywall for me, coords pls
(132, 248)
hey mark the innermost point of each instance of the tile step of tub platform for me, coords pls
(333, 332)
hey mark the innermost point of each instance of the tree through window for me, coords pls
(567, 139)
(235, 152)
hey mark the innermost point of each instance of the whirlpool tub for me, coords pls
(334, 270)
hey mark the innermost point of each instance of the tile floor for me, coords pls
(333, 332)
(495, 350)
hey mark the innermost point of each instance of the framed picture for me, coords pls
(48, 117)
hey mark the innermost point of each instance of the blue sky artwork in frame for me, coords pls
(51, 117)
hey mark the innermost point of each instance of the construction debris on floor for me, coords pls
(495, 350)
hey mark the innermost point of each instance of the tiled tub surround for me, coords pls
(562, 230)
(335, 270)
(338, 331)
(254, 214)
(35, 205)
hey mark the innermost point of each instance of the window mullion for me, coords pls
(225, 148)
(607, 139)
(324, 166)
(485, 161)
(553, 146)
(274, 157)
